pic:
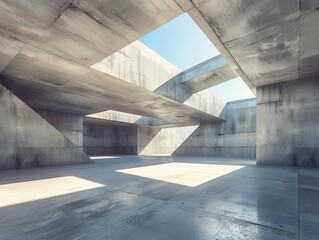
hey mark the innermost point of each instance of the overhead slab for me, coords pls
(207, 74)
(83, 31)
(43, 80)
(271, 41)
(46, 49)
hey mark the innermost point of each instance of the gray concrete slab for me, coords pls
(80, 31)
(269, 41)
(141, 66)
(208, 74)
(251, 202)
(43, 80)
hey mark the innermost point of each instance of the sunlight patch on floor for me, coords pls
(186, 174)
(103, 157)
(23, 192)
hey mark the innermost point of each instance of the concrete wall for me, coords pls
(288, 123)
(104, 140)
(236, 137)
(139, 65)
(162, 141)
(70, 125)
(27, 140)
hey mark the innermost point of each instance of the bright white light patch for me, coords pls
(103, 157)
(22, 192)
(186, 174)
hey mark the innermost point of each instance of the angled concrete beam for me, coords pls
(116, 118)
(211, 35)
(207, 74)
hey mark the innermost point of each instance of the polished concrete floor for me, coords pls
(130, 197)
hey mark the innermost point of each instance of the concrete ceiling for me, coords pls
(272, 41)
(83, 31)
(43, 80)
(47, 48)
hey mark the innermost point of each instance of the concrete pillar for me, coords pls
(287, 123)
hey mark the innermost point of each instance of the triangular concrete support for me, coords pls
(28, 140)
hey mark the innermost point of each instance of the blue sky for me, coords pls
(182, 43)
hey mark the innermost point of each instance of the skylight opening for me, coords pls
(181, 42)
(232, 90)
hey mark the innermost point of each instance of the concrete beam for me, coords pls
(46, 81)
(207, 74)
(139, 65)
(268, 48)
(209, 32)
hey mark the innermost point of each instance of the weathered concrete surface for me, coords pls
(83, 32)
(27, 140)
(208, 74)
(120, 118)
(271, 41)
(138, 64)
(141, 66)
(287, 123)
(235, 137)
(253, 202)
(162, 141)
(70, 125)
(105, 140)
(46, 81)
(47, 63)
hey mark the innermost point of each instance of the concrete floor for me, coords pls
(130, 197)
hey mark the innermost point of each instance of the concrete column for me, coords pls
(287, 123)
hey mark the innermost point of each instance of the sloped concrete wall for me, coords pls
(236, 137)
(162, 141)
(104, 140)
(288, 123)
(28, 140)
(70, 125)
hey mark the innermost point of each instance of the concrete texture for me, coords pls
(79, 58)
(70, 125)
(103, 140)
(287, 123)
(269, 46)
(69, 87)
(83, 32)
(162, 141)
(235, 137)
(100, 201)
(141, 66)
(27, 140)
(208, 74)
(47, 64)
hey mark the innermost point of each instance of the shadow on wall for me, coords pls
(236, 137)
(165, 141)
